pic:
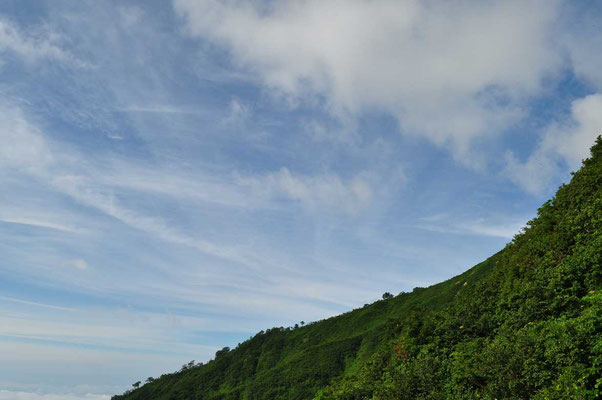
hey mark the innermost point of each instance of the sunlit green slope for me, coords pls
(526, 323)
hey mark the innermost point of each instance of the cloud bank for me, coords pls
(449, 71)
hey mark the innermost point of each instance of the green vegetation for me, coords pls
(524, 324)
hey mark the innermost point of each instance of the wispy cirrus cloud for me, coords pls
(158, 109)
(34, 45)
(30, 151)
(501, 226)
(37, 304)
(314, 192)
(100, 186)
(37, 222)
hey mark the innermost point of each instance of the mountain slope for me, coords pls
(526, 323)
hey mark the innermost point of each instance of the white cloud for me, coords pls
(567, 141)
(36, 304)
(38, 222)
(79, 263)
(34, 45)
(572, 139)
(314, 192)
(450, 71)
(159, 109)
(12, 395)
(86, 192)
(22, 146)
(114, 330)
(503, 227)
(504, 230)
(25, 149)
(238, 113)
(56, 372)
(94, 184)
(28, 150)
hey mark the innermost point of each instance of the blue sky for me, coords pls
(179, 175)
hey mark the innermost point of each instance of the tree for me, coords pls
(136, 384)
(387, 296)
(149, 379)
(222, 352)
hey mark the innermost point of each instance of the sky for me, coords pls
(178, 175)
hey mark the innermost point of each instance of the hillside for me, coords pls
(524, 324)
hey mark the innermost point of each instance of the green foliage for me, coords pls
(387, 296)
(524, 324)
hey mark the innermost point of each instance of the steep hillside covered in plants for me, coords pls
(524, 324)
